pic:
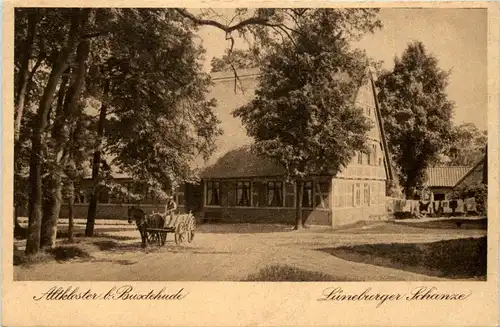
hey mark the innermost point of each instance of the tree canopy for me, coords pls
(236, 59)
(467, 147)
(416, 113)
(303, 115)
(96, 84)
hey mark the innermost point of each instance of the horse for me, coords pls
(140, 220)
(156, 220)
(143, 221)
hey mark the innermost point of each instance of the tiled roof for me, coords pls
(445, 176)
(242, 162)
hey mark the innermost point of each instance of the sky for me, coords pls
(457, 37)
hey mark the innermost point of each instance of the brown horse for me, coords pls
(140, 220)
(143, 222)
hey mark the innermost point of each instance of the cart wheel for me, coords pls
(180, 233)
(190, 236)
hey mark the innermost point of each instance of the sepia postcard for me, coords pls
(250, 164)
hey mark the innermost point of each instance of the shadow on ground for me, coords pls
(454, 223)
(456, 259)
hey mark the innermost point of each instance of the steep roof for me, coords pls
(445, 176)
(242, 162)
(477, 174)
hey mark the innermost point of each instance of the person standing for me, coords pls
(170, 208)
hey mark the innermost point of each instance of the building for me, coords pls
(238, 186)
(442, 181)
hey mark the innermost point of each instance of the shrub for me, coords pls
(477, 191)
(278, 273)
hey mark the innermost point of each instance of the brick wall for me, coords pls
(266, 215)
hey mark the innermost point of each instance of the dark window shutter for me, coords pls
(231, 193)
(262, 187)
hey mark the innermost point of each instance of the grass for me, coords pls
(278, 273)
(59, 253)
(457, 259)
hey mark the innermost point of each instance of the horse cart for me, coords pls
(181, 225)
(155, 227)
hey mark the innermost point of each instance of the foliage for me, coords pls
(159, 119)
(237, 59)
(303, 114)
(467, 147)
(416, 113)
(278, 273)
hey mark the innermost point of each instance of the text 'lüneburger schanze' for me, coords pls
(421, 293)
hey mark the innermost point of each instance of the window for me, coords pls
(322, 194)
(307, 195)
(366, 195)
(243, 194)
(374, 153)
(275, 194)
(369, 158)
(360, 158)
(356, 192)
(290, 197)
(179, 198)
(104, 196)
(213, 193)
(255, 193)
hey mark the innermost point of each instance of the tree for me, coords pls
(237, 59)
(416, 113)
(467, 146)
(77, 17)
(303, 115)
(154, 117)
(140, 66)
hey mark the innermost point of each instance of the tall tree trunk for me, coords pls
(61, 137)
(96, 163)
(51, 181)
(21, 96)
(24, 73)
(46, 211)
(35, 176)
(299, 186)
(71, 211)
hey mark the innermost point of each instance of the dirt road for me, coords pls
(232, 256)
